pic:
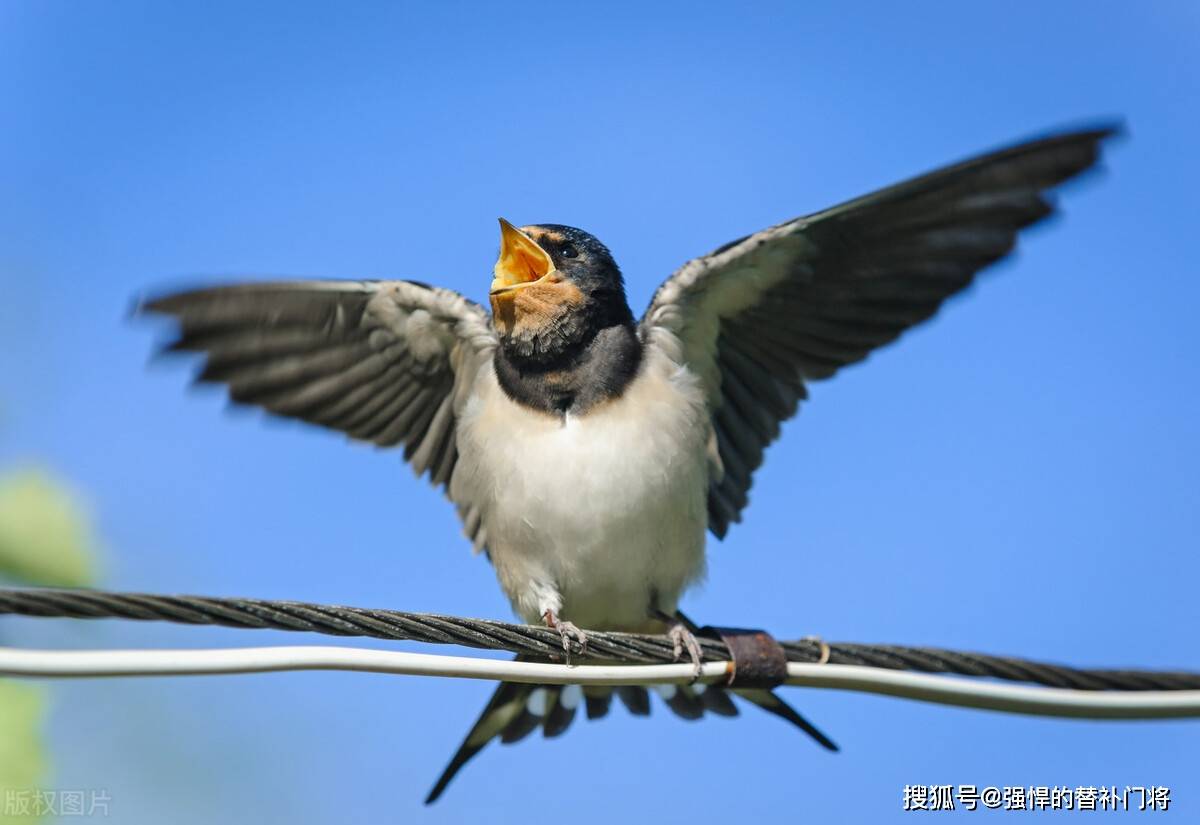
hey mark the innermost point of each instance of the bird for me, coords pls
(589, 452)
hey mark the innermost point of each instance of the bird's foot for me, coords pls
(568, 632)
(681, 639)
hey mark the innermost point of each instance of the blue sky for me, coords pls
(1018, 476)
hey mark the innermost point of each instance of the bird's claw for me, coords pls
(568, 632)
(681, 639)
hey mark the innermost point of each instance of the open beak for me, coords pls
(521, 262)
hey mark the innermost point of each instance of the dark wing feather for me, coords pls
(759, 317)
(389, 362)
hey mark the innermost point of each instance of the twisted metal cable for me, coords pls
(544, 642)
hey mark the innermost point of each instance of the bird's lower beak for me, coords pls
(521, 261)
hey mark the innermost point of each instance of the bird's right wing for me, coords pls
(389, 362)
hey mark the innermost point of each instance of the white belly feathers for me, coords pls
(591, 516)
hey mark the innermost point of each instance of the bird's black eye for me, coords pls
(569, 251)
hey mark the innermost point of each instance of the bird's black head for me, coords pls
(555, 289)
(581, 257)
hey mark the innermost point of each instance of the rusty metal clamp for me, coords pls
(756, 659)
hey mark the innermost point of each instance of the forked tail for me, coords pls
(516, 710)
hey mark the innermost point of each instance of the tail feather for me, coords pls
(768, 701)
(682, 699)
(526, 721)
(507, 705)
(717, 701)
(598, 700)
(515, 711)
(635, 699)
(560, 716)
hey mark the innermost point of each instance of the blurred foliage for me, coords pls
(23, 764)
(45, 539)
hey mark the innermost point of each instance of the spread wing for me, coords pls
(389, 362)
(761, 316)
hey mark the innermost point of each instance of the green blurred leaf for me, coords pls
(23, 762)
(45, 538)
(45, 535)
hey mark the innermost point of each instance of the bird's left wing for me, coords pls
(759, 317)
(389, 362)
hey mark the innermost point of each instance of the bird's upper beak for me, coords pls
(521, 261)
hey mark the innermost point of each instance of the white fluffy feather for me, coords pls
(591, 516)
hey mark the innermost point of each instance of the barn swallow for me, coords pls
(588, 451)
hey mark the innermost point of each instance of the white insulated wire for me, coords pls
(944, 690)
